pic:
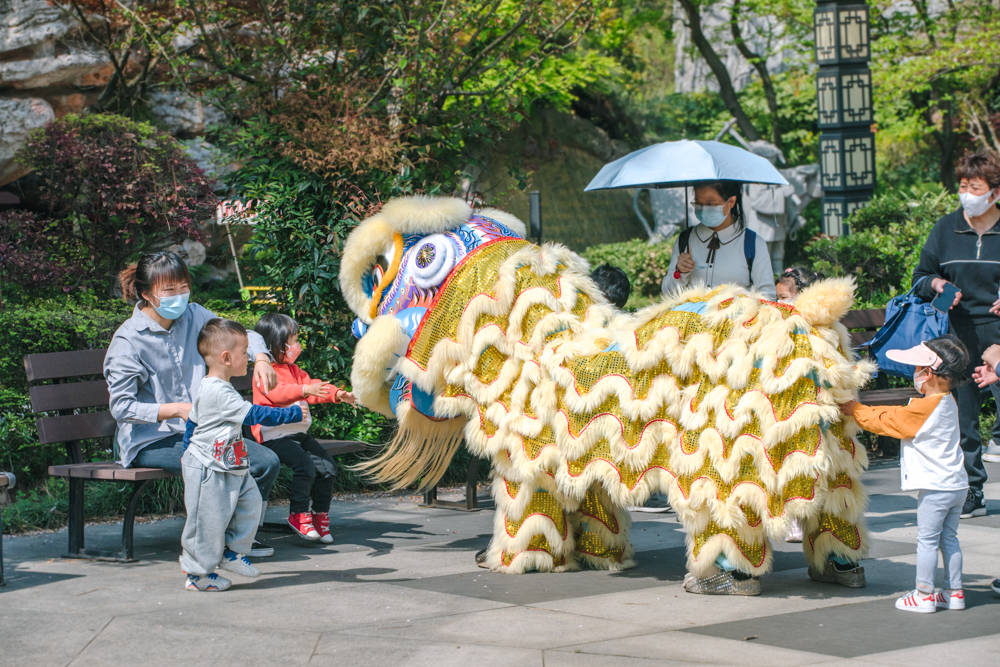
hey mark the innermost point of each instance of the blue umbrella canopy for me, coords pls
(683, 163)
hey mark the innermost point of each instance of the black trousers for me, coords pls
(977, 337)
(312, 471)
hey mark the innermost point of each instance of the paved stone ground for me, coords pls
(399, 587)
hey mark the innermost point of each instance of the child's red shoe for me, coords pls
(302, 524)
(321, 522)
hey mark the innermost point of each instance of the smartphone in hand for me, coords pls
(942, 302)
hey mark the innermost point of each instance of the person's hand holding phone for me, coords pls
(948, 295)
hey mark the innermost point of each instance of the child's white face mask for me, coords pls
(919, 379)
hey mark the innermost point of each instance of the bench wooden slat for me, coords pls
(108, 471)
(335, 447)
(4, 481)
(871, 318)
(75, 427)
(88, 394)
(887, 396)
(58, 365)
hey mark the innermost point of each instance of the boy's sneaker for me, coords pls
(995, 587)
(321, 522)
(954, 600)
(260, 549)
(921, 603)
(974, 504)
(238, 563)
(851, 577)
(794, 533)
(991, 452)
(302, 524)
(207, 582)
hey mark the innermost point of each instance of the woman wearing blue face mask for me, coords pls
(963, 249)
(153, 369)
(717, 251)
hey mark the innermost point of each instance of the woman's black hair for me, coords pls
(727, 189)
(954, 355)
(151, 269)
(276, 329)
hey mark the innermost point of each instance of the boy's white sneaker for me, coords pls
(921, 603)
(991, 452)
(954, 600)
(238, 564)
(207, 582)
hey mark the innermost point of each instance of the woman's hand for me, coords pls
(173, 411)
(848, 408)
(995, 308)
(318, 389)
(263, 374)
(685, 262)
(938, 286)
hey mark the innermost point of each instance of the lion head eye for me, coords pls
(433, 259)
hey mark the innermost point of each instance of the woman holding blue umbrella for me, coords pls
(719, 249)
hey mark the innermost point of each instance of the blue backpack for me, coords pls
(909, 321)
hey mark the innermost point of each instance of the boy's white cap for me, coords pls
(918, 355)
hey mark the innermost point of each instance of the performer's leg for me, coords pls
(601, 532)
(531, 530)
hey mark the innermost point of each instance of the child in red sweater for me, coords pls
(312, 468)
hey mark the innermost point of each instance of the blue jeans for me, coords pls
(166, 453)
(937, 528)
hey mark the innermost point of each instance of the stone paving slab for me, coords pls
(399, 587)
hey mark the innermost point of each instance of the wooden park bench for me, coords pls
(70, 396)
(863, 324)
(7, 481)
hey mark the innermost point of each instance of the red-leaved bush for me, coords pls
(116, 188)
(24, 258)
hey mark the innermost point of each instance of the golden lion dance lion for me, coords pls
(723, 400)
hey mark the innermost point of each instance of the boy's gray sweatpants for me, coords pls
(222, 510)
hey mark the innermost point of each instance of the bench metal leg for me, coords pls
(1, 547)
(76, 525)
(471, 502)
(75, 519)
(128, 522)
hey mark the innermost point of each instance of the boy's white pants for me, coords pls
(222, 511)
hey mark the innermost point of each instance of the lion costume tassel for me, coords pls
(723, 400)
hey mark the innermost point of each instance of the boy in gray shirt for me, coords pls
(221, 498)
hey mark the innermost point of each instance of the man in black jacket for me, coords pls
(963, 249)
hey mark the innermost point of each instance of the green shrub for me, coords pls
(644, 263)
(884, 245)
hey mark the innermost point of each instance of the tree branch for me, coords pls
(759, 63)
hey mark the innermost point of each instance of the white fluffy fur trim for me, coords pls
(405, 215)
(375, 355)
(826, 301)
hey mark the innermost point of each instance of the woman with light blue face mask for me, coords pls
(719, 250)
(153, 369)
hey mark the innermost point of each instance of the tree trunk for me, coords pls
(726, 89)
(760, 64)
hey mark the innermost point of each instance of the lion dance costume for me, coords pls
(723, 400)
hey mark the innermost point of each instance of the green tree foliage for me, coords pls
(884, 245)
(936, 79)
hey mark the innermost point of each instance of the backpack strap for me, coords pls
(749, 250)
(684, 240)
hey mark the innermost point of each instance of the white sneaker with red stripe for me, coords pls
(922, 603)
(954, 600)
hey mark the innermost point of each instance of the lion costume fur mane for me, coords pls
(723, 400)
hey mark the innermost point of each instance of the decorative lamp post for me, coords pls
(844, 103)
